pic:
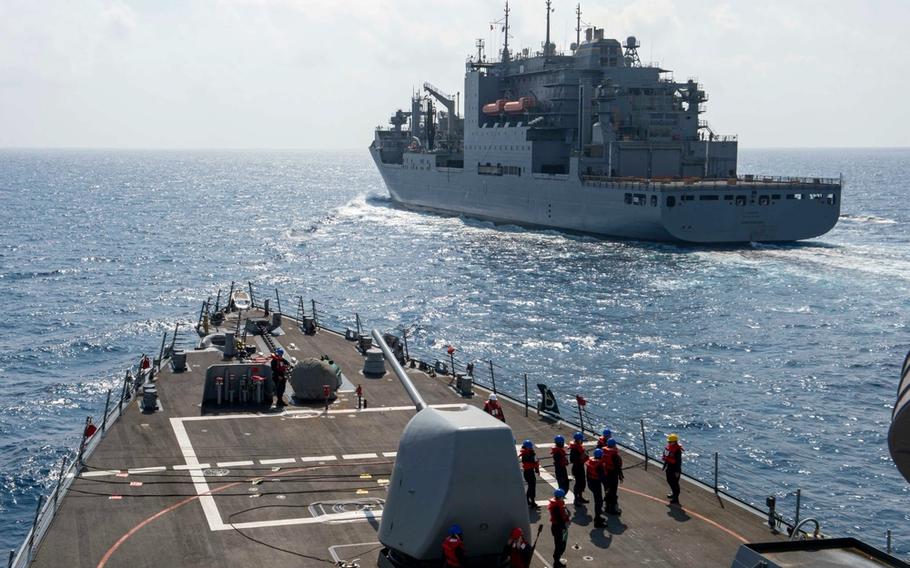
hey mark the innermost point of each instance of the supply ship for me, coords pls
(378, 451)
(594, 141)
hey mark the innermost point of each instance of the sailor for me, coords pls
(578, 456)
(559, 526)
(596, 474)
(560, 462)
(602, 441)
(493, 408)
(673, 466)
(453, 548)
(518, 550)
(279, 375)
(613, 468)
(530, 466)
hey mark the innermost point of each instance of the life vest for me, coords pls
(673, 454)
(517, 551)
(450, 548)
(559, 456)
(612, 460)
(593, 469)
(493, 409)
(601, 442)
(528, 460)
(558, 513)
(577, 453)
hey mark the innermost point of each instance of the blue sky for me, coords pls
(311, 74)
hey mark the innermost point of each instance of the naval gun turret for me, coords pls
(453, 466)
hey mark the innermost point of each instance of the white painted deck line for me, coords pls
(212, 516)
(183, 467)
(235, 463)
(389, 454)
(277, 461)
(307, 459)
(359, 456)
(147, 469)
(334, 517)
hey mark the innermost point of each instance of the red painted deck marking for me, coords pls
(126, 536)
(689, 512)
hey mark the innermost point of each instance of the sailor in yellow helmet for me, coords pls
(673, 466)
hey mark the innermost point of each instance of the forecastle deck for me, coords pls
(304, 486)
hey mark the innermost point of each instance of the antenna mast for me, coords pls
(578, 25)
(546, 46)
(505, 29)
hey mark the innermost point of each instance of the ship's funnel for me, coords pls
(899, 434)
(454, 466)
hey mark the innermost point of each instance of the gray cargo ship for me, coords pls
(593, 141)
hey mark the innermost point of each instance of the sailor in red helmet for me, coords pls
(559, 526)
(453, 548)
(529, 466)
(673, 466)
(493, 408)
(518, 550)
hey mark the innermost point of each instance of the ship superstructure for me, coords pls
(593, 140)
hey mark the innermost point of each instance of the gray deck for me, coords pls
(289, 488)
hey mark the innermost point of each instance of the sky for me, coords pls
(323, 74)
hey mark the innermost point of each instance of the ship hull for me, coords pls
(710, 213)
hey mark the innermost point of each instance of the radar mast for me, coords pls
(547, 49)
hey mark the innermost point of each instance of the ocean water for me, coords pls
(781, 359)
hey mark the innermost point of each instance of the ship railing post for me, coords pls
(278, 301)
(581, 416)
(88, 420)
(404, 336)
(107, 407)
(161, 351)
(715, 472)
(174, 339)
(12, 556)
(126, 380)
(59, 482)
(888, 541)
(644, 442)
(798, 499)
(359, 326)
(315, 319)
(31, 536)
(252, 298)
(218, 300)
(526, 393)
(493, 378)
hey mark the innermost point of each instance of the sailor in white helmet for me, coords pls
(492, 407)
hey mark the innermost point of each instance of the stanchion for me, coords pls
(31, 536)
(107, 406)
(526, 394)
(644, 442)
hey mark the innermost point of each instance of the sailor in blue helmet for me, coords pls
(577, 457)
(559, 525)
(560, 462)
(596, 475)
(602, 440)
(453, 548)
(612, 462)
(279, 375)
(529, 466)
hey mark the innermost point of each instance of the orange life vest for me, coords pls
(580, 449)
(612, 460)
(559, 456)
(670, 453)
(528, 460)
(593, 469)
(517, 548)
(558, 513)
(451, 547)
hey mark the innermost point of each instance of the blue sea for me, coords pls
(782, 359)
